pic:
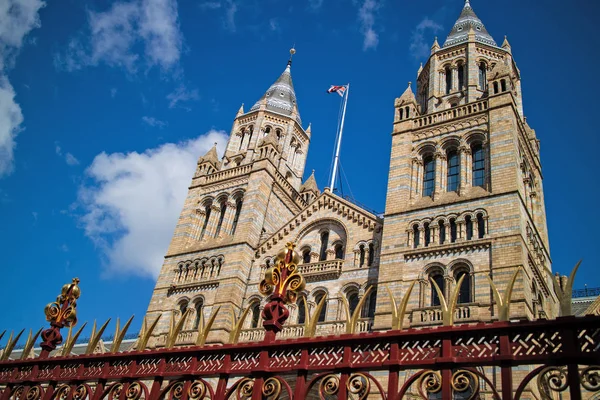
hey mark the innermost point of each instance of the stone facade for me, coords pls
(465, 198)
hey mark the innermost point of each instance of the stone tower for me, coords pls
(465, 195)
(231, 205)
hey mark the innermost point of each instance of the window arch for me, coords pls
(495, 87)
(442, 230)
(255, 315)
(278, 134)
(464, 293)
(238, 210)
(480, 226)
(453, 175)
(323, 313)
(469, 227)
(401, 113)
(301, 310)
(324, 242)
(503, 85)
(306, 255)
(207, 211)
(371, 254)
(223, 206)
(352, 298)
(369, 308)
(416, 236)
(427, 234)
(428, 175)
(453, 231)
(183, 307)
(339, 251)
(482, 76)
(448, 73)
(438, 278)
(243, 134)
(478, 154)
(199, 307)
(461, 76)
(361, 250)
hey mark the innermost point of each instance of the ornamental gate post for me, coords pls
(505, 368)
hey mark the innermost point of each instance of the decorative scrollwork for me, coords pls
(552, 379)
(590, 378)
(17, 392)
(134, 391)
(430, 382)
(34, 393)
(61, 313)
(271, 388)
(176, 391)
(62, 392)
(115, 391)
(244, 389)
(359, 385)
(463, 381)
(329, 386)
(81, 392)
(197, 390)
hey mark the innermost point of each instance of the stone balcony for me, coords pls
(430, 316)
(322, 270)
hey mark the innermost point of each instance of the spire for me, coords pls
(408, 96)
(436, 46)
(210, 156)
(466, 21)
(309, 130)
(310, 184)
(240, 111)
(420, 70)
(281, 97)
(506, 45)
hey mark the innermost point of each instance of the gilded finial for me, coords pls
(292, 52)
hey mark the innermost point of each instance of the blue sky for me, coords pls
(105, 106)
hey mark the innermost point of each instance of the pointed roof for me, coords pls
(466, 21)
(210, 156)
(310, 184)
(408, 96)
(281, 97)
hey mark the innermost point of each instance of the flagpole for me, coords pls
(339, 141)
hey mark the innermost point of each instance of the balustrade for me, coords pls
(450, 114)
(433, 315)
(321, 270)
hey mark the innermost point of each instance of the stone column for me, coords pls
(213, 221)
(434, 235)
(475, 225)
(330, 254)
(421, 237)
(454, 80)
(419, 191)
(409, 242)
(229, 216)
(460, 230)
(440, 162)
(463, 152)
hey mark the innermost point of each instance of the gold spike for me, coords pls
(564, 296)
(10, 345)
(234, 336)
(70, 342)
(503, 302)
(310, 324)
(119, 336)
(176, 328)
(351, 324)
(2, 334)
(29, 344)
(398, 312)
(205, 330)
(146, 333)
(95, 338)
(448, 309)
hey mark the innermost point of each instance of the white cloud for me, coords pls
(419, 46)
(274, 25)
(17, 19)
(113, 92)
(229, 6)
(180, 95)
(69, 158)
(133, 201)
(128, 35)
(366, 17)
(153, 122)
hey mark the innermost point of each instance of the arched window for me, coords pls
(482, 76)
(301, 311)
(369, 308)
(401, 113)
(429, 175)
(469, 227)
(503, 85)
(339, 251)
(416, 236)
(464, 293)
(453, 171)
(324, 242)
(448, 72)
(407, 109)
(361, 255)
(268, 263)
(183, 307)
(221, 217)
(255, 315)
(199, 308)
(461, 77)
(278, 133)
(207, 210)
(371, 254)
(236, 218)
(441, 282)
(352, 301)
(452, 230)
(478, 165)
(267, 130)
(495, 87)
(250, 132)
(242, 139)
(480, 226)
(323, 313)
(427, 234)
(442, 230)
(306, 255)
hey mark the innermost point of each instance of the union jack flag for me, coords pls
(337, 89)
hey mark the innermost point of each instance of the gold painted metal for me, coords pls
(237, 325)
(175, 328)
(430, 382)
(95, 337)
(399, 311)
(10, 345)
(55, 313)
(462, 381)
(244, 388)
(448, 308)
(359, 386)
(71, 340)
(29, 344)
(310, 323)
(119, 335)
(352, 320)
(564, 296)
(294, 281)
(145, 333)
(271, 388)
(503, 302)
(203, 330)
(552, 379)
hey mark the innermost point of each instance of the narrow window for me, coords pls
(221, 217)
(199, 307)
(461, 77)
(301, 311)
(278, 134)
(371, 254)
(503, 85)
(369, 309)
(435, 298)
(464, 294)
(352, 302)
(401, 113)
(448, 80)
(183, 307)
(478, 165)
(429, 175)
(323, 313)
(207, 210)
(324, 240)
(236, 218)
(442, 229)
(416, 236)
(250, 136)
(482, 76)
(267, 130)
(480, 226)
(255, 315)
(453, 171)
(427, 234)
(242, 139)
(339, 251)
(407, 112)
(469, 227)
(306, 256)
(495, 87)
(362, 255)
(452, 230)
